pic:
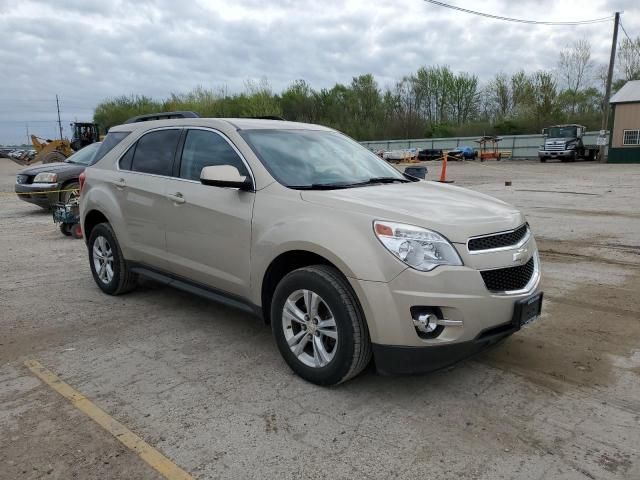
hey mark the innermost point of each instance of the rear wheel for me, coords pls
(108, 266)
(52, 157)
(319, 327)
(65, 228)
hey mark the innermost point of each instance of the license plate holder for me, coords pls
(527, 310)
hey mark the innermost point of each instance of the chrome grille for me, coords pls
(554, 146)
(22, 179)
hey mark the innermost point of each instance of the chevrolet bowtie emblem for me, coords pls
(519, 256)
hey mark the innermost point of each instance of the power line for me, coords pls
(631, 42)
(625, 32)
(517, 20)
(34, 121)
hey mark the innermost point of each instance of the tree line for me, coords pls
(434, 101)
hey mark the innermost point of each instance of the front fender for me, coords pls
(346, 239)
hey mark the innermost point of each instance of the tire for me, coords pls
(543, 160)
(65, 228)
(121, 280)
(349, 353)
(66, 196)
(52, 157)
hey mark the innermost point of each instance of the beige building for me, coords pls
(624, 144)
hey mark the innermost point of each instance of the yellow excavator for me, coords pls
(49, 151)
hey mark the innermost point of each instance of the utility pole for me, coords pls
(607, 94)
(58, 106)
(28, 137)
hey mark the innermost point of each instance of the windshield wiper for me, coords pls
(321, 186)
(384, 180)
(337, 185)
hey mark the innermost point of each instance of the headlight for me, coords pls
(418, 247)
(45, 177)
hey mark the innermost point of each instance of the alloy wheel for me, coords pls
(310, 328)
(103, 259)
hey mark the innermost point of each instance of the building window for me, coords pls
(631, 137)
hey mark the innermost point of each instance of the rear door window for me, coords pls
(110, 141)
(155, 151)
(204, 148)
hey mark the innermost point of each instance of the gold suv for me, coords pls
(344, 256)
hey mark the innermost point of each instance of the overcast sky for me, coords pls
(87, 51)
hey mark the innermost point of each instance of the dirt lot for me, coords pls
(205, 385)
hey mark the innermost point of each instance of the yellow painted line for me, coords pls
(40, 192)
(146, 452)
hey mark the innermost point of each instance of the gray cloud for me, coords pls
(89, 51)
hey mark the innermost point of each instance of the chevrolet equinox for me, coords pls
(344, 256)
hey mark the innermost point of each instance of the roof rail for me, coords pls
(267, 117)
(162, 116)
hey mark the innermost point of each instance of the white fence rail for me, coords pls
(522, 147)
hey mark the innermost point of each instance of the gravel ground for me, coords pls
(205, 385)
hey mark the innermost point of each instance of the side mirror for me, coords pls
(578, 133)
(544, 132)
(225, 176)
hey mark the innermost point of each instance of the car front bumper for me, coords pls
(40, 194)
(556, 153)
(480, 318)
(399, 360)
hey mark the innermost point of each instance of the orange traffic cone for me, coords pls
(443, 172)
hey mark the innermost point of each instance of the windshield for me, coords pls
(561, 132)
(317, 158)
(84, 156)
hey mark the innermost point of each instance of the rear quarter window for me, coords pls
(110, 141)
(127, 159)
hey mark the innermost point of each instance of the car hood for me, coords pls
(56, 167)
(457, 213)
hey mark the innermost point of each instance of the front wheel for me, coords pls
(319, 327)
(70, 191)
(108, 266)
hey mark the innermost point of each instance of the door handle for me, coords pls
(176, 197)
(120, 183)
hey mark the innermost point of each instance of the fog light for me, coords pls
(425, 323)
(429, 321)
